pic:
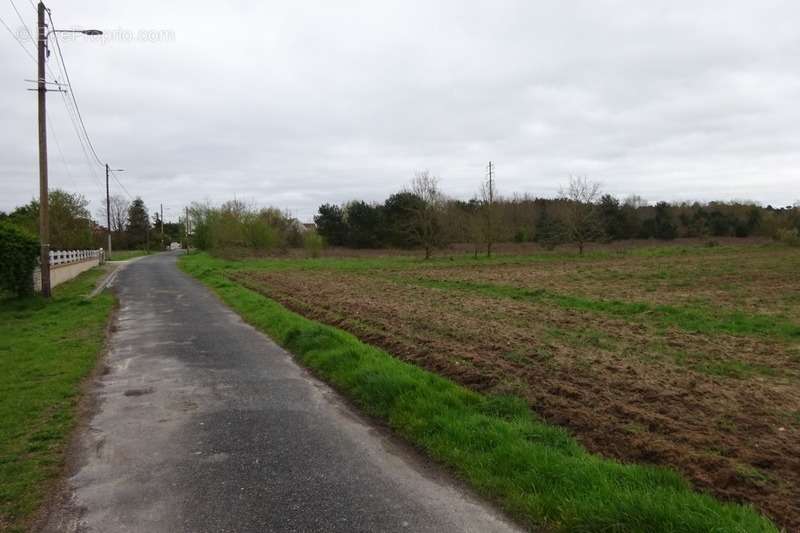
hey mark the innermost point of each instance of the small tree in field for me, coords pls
(424, 220)
(582, 220)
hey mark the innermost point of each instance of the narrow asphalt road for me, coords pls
(204, 424)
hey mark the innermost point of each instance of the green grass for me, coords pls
(694, 319)
(124, 255)
(445, 259)
(46, 349)
(537, 472)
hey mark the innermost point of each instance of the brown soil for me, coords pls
(626, 390)
(767, 284)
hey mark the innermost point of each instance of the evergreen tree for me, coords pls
(365, 224)
(549, 233)
(331, 224)
(138, 223)
(612, 218)
(664, 224)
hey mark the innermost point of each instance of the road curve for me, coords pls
(204, 424)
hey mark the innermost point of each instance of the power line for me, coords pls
(60, 152)
(49, 122)
(14, 35)
(71, 104)
(22, 20)
(72, 90)
(76, 109)
(114, 175)
(30, 34)
(76, 128)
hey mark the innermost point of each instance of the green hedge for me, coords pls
(18, 253)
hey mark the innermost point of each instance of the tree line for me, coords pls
(72, 226)
(238, 228)
(421, 216)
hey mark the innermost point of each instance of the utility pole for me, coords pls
(108, 215)
(44, 200)
(161, 207)
(186, 227)
(490, 214)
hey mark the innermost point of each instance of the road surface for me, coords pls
(204, 424)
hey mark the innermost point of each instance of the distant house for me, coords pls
(309, 226)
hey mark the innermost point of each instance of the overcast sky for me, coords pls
(298, 103)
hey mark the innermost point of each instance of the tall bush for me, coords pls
(18, 252)
(313, 244)
(789, 237)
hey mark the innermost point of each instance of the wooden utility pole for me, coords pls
(44, 200)
(108, 215)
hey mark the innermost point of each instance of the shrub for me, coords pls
(18, 252)
(789, 237)
(313, 243)
(259, 235)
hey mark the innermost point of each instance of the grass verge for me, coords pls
(535, 471)
(46, 349)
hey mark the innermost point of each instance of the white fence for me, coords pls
(67, 264)
(63, 257)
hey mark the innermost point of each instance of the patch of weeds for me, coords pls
(732, 369)
(794, 353)
(515, 356)
(635, 428)
(529, 356)
(791, 417)
(511, 386)
(751, 473)
(461, 362)
(727, 424)
(582, 338)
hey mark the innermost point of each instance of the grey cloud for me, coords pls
(298, 103)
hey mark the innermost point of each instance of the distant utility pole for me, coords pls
(108, 216)
(44, 200)
(108, 208)
(186, 227)
(161, 207)
(490, 212)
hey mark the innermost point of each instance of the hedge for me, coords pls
(18, 253)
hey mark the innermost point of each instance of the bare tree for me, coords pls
(119, 212)
(425, 223)
(582, 222)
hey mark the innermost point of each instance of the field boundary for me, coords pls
(535, 471)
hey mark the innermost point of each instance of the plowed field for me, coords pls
(690, 360)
